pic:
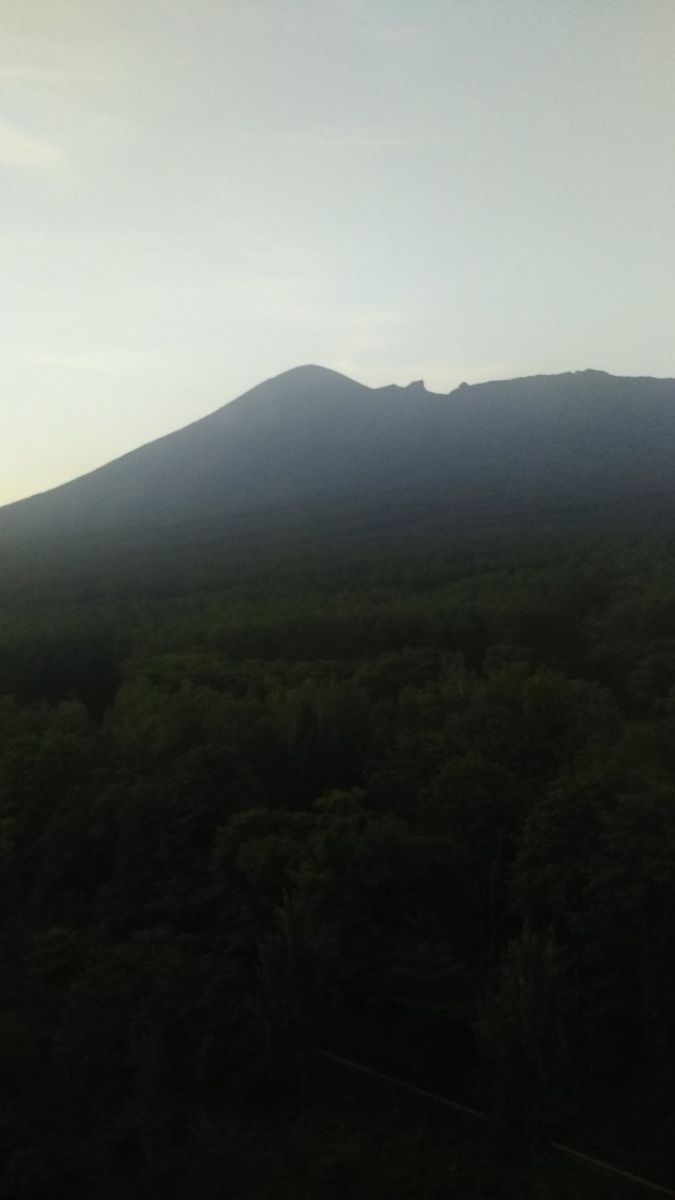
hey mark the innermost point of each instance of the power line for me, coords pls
(597, 1162)
(408, 1087)
(476, 1115)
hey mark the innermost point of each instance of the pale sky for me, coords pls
(198, 194)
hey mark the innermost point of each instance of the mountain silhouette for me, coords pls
(311, 436)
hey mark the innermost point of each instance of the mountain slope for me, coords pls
(311, 435)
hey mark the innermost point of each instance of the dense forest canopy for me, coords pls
(409, 799)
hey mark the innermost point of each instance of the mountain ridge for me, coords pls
(311, 433)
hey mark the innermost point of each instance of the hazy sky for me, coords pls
(198, 194)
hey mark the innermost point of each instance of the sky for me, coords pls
(197, 196)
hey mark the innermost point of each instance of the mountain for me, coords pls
(313, 437)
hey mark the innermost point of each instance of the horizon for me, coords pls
(322, 369)
(194, 200)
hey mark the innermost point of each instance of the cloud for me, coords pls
(12, 75)
(38, 75)
(97, 362)
(24, 151)
(357, 140)
(347, 141)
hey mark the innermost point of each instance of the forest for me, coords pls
(407, 802)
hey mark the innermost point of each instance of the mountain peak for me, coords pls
(309, 373)
(311, 433)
